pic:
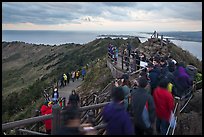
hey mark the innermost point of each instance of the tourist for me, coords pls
(154, 73)
(164, 104)
(117, 118)
(65, 79)
(45, 110)
(143, 109)
(126, 89)
(55, 95)
(70, 122)
(73, 76)
(83, 73)
(74, 99)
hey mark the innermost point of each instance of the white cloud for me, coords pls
(108, 15)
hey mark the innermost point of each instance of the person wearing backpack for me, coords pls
(143, 109)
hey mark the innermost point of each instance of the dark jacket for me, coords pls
(154, 77)
(74, 99)
(164, 70)
(140, 100)
(118, 120)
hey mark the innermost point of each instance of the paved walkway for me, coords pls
(67, 90)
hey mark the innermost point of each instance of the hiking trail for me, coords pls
(67, 90)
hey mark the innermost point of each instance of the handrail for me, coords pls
(25, 121)
(31, 132)
(100, 126)
(93, 106)
(45, 117)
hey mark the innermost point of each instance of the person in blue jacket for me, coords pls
(117, 118)
(83, 73)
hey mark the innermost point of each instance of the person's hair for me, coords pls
(70, 113)
(117, 94)
(142, 81)
(163, 83)
(162, 59)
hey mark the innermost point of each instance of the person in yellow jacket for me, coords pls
(77, 74)
(65, 79)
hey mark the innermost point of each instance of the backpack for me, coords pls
(191, 71)
(170, 87)
(145, 115)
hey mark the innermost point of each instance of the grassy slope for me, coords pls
(28, 68)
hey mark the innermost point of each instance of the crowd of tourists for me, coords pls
(113, 53)
(74, 75)
(144, 107)
(150, 99)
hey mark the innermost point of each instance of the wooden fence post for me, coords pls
(55, 119)
(37, 113)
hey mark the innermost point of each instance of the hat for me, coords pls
(55, 89)
(174, 61)
(45, 102)
(50, 103)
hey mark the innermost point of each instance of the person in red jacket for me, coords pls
(47, 109)
(164, 104)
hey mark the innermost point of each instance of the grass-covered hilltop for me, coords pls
(27, 69)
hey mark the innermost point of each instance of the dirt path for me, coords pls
(66, 91)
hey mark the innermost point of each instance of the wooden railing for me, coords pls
(94, 101)
(55, 116)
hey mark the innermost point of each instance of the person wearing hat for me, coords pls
(45, 110)
(55, 95)
(143, 109)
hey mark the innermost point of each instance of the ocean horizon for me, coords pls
(190, 41)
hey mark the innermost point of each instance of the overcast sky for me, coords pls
(121, 16)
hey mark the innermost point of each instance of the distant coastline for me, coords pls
(190, 41)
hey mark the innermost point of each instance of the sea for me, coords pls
(190, 41)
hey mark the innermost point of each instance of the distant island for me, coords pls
(124, 36)
(195, 36)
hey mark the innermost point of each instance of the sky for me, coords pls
(102, 16)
